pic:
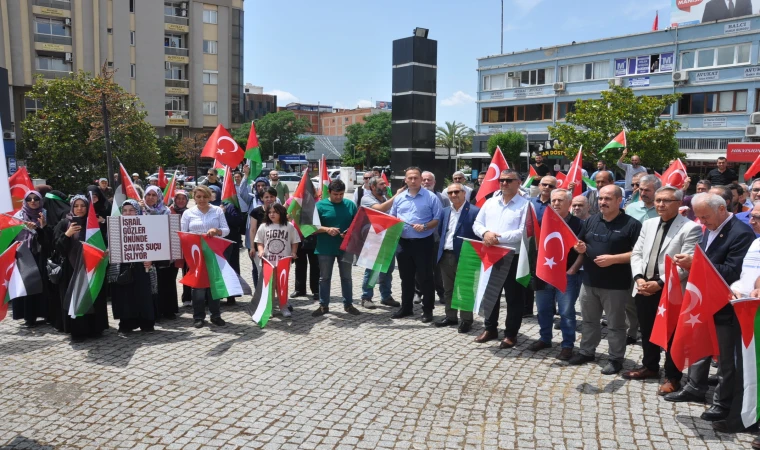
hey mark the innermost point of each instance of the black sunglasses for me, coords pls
(547, 185)
(507, 180)
(32, 199)
(453, 192)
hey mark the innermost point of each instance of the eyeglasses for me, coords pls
(211, 175)
(755, 190)
(507, 180)
(548, 185)
(453, 192)
(665, 200)
(459, 178)
(32, 199)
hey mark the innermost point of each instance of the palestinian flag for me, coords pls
(10, 227)
(532, 175)
(93, 235)
(89, 273)
(25, 279)
(526, 262)
(481, 274)
(618, 142)
(388, 190)
(324, 179)
(261, 303)
(7, 265)
(162, 180)
(220, 168)
(253, 154)
(171, 188)
(373, 238)
(208, 266)
(591, 184)
(747, 312)
(303, 208)
(20, 183)
(229, 193)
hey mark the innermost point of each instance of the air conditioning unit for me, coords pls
(559, 86)
(9, 135)
(183, 12)
(67, 21)
(618, 81)
(754, 118)
(510, 74)
(752, 131)
(681, 76)
(68, 57)
(183, 5)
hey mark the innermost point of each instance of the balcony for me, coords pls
(53, 4)
(705, 143)
(175, 118)
(175, 51)
(51, 39)
(52, 74)
(176, 20)
(177, 83)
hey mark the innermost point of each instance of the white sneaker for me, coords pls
(286, 313)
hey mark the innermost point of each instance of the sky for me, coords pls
(338, 52)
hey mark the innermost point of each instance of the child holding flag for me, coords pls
(276, 239)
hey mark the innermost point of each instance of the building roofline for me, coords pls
(609, 38)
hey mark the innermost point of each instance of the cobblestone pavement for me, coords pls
(338, 381)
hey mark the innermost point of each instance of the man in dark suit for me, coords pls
(455, 224)
(725, 242)
(726, 9)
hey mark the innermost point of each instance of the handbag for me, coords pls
(119, 274)
(54, 271)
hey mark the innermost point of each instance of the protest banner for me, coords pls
(143, 238)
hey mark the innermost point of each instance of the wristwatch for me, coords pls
(424, 226)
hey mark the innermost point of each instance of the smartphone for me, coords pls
(81, 221)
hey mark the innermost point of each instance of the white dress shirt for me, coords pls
(453, 221)
(195, 221)
(506, 220)
(750, 270)
(711, 235)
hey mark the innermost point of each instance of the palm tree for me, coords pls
(454, 135)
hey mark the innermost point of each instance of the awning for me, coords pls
(700, 156)
(475, 155)
(296, 162)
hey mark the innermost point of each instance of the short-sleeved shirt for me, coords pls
(418, 209)
(542, 171)
(608, 238)
(282, 190)
(259, 215)
(369, 200)
(716, 178)
(277, 239)
(333, 215)
(639, 211)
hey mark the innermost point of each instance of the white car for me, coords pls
(291, 180)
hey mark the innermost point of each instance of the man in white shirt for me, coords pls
(458, 177)
(500, 222)
(630, 169)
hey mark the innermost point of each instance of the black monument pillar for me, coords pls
(413, 115)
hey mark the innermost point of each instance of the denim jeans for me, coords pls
(545, 299)
(201, 297)
(383, 283)
(326, 263)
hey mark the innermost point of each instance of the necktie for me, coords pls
(654, 252)
(730, 8)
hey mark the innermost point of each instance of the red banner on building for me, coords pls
(742, 151)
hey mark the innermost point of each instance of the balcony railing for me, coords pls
(175, 51)
(177, 83)
(705, 143)
(52, 74)
(174, 117)
(176, 19)
(53, 4)
(51, 39)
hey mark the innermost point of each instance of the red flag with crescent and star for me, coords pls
(575, 173)
(675, 175)
(222, 146)
(706, 293)
(751, 172)
(562, 182)
(283, 272)
(491, 181)
(670, 306)
(551, 263)
(20, 183)
(197, 275)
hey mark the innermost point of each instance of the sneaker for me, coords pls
(286, 313)
(199, 323)
(187, 304)
(351, 309)
(612, 368)
(390, 302)
(367, 303)
(579, 359)
(320, 311)
(218, 321)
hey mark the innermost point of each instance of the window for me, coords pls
(713, 102)
(132, 70)
(536, 77)
(209, 108)
(517, 113)
(53, 27)
(131, 6)
(174, 41)
(51, 63)
(109, 30)
(209, 47)
(715, 57)
(209, 16)
(587, 71)
(563, 108)
(131, 38)
(494, 82)
(174, 71)
(172, 9)
(173, 103)
(31, 106)
(210, 77)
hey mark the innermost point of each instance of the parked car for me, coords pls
(290, 180)
(359, 178)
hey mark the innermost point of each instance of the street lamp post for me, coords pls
(276, 140)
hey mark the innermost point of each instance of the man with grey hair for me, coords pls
(669, 235)
(580, 207)
(459, 177)
(644, 209)
(725, 242)
(754, 196)
(428, 182)
(630, 169)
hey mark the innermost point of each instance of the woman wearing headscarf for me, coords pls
(131, 296)
(37, 237)
(67, 238)
(166, 302)
(179, 206)
(101, 205)
(56, 206)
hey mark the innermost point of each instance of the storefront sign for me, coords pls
(737, 27)
(743, 151)
(143, 238)
(497, 95)
(714, 122)
(751, 72)
(666, 62)
(528, 92)
(638, 81)
(642, 64)
(177, 59)
(710, 75)
(620, 67)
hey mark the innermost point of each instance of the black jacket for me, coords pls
(728, 249)
(718, 10)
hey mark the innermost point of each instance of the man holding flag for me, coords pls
(669, 235)
(630, 169)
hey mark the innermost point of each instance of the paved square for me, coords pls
(338, 381)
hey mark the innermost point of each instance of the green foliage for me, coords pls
(368, 144)
(282, 125)
(168, 151)
(63, 142)
(511, 144)
(454, 135)
(596, 122)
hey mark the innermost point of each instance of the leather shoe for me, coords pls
(713, 380)
(465, 326)
(565, 354)
(579, 359)
(714, 413)
(641, 374)
(630, 340)
(684, 396)
(508, 343)
(400, 314)
(446, 322)
(612, 368)
(538, 345)
(722, 426)
(297, 294)
(668, 387)
(427, 317)
(487, 335)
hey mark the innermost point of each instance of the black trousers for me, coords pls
(515, 299)
(305, 255)
(415, 263)
(646, 309)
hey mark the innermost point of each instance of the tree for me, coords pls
(511, 143)
(63, 142)
(189, 151)
(281, 126)
(595, 122)
(454, 135)
(168, 151)
(368, 144)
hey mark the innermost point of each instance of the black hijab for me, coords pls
(102, 206)
(56, 206)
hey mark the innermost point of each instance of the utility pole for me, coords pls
(107, 137)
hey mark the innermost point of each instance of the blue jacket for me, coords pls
(464, 227)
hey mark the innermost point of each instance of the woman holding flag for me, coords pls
(179, 206)
(166, 303)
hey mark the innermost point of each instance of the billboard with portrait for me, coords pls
(690, 12)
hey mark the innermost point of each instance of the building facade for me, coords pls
(183, 59)
(257, 104)
(713, 66)
(311, 113)
(335, 123)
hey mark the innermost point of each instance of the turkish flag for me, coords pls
(751, 172)
(222, 146)
(551, 263)
(20, 183)
(575, 174)
(162, 180)
(675, 175)
(283, 271)
(197, 275)
(659, 177)
(128, 188)
(670, 306)
(562, 182)
(491, 181)
(706, 293)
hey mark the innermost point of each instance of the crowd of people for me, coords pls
(615, 272)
